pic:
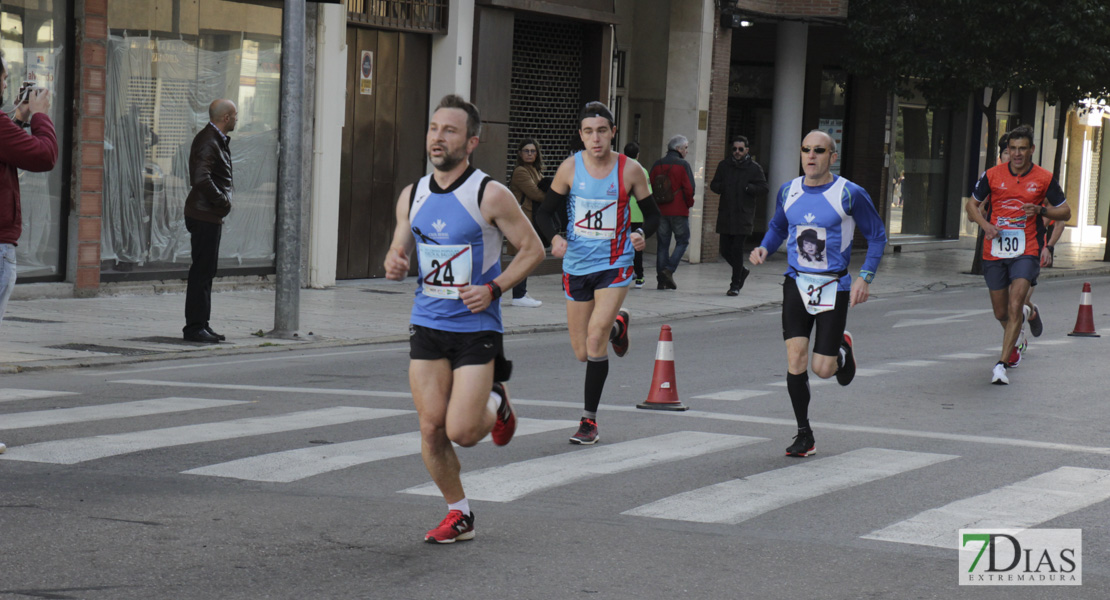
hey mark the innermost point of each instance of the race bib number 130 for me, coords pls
(445, 269)
(1008, 244)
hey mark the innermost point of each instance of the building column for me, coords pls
(88, 159)
(686, 112)
(327, 146)
(716, 143)
(453, 55)
(786, 119)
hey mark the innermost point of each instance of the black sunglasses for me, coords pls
(739, 149)
(806, 149)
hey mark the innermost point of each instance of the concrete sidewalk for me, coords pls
(45, 333)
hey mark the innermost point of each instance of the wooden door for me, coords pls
(383, 143)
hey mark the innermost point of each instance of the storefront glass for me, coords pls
(32, 37)
(919, 169)
(167, 61)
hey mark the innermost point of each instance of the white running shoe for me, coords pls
(1023, 342)
(3, 448)
(527, 302)
(998, 376)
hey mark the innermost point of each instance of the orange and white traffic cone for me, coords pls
(664, 389)
(1085, 322)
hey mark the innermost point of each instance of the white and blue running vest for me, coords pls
(455, 246)
(818, 221)
(599, 218)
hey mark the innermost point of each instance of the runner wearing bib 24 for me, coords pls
(1019, 194)
(454, 219)
(816, 215)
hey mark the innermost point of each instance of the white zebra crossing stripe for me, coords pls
(733, 395)
(11, 395)
(1017, 506)
(738, 500)
(267, 388)
(965, 356)
(292, 465)
(516, 480)
(913, 363)
(72, 451)
(104, 412)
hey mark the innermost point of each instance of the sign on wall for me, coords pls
(366, 73)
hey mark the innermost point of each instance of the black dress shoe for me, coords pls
(202, 336)
(743, 278)
(219, 336)
(733, 290)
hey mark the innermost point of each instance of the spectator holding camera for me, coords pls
(36, 152)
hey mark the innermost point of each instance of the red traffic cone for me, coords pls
(664, 390)
(1085, 322)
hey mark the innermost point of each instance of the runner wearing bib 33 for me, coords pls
(1019, 193)
(816, 215)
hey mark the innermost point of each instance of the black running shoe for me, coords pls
(586, 434)
(803, 445)
(1036, 326)
(620, 343)
(847, 371)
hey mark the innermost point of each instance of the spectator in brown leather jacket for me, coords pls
(209, 201)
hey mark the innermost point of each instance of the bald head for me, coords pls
(223, 115)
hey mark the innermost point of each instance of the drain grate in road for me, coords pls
(28, 320)
(104, 349)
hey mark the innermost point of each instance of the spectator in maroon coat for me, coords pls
(675, 214)
(35, 152)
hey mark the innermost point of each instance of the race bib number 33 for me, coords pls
(818, 292)
(444, 269)
(595, 219)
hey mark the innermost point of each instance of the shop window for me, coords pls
(833, 110)
(163, 72)
(33, 35)
(919, 168)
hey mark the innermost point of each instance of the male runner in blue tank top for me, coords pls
(594, 187)
(816, 215)
(454, 218)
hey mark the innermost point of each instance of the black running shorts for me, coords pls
(797, 322)
(581, 288)
(1002, 272)
(459, 348)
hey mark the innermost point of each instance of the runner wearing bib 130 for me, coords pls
(1019, 193)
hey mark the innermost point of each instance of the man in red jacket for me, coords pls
(36, 152)
(675, 214)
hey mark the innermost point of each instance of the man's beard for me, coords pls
(448, 161)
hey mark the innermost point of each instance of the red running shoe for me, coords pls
(620, 343)
(505, 426)
(455, 527)
(1015, 358)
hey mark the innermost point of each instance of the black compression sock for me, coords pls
(798, 387)
(597, 371)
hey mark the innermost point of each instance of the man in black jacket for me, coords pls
(739, 180)
(209, 201)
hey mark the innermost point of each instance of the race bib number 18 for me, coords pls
(595, 219)
(1008, 244)
(445, 269)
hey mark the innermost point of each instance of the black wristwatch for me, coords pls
(1051, 250)
(494, 289)
(1044, 210)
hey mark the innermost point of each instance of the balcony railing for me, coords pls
(423, 16)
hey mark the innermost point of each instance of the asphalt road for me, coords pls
(298, 475)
